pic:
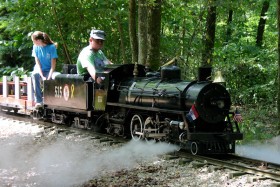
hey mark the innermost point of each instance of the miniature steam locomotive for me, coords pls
(144, 106)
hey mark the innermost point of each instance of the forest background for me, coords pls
(238, 38)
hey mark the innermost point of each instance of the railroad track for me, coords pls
(63, 129)
(239, 165)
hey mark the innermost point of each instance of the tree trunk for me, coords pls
(207, 54)
(261, 25)
(132, 30)
(65, 48)
(229, 20)
(142, 31)
(121, 39)
(278, 98)
(183, 38)
(153, 36)
(229, 31)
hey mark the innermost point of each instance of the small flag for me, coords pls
(193, 114)
(237, 116)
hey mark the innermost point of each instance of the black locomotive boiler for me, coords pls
(130, 102)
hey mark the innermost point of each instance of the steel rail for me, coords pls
(234, 166)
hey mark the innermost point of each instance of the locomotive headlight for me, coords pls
(181, 125)
(221, 103)
(218, 103)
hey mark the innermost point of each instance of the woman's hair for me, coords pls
(38, 35)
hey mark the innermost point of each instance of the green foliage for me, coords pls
(250, 71)
(252, 79)
(20, 72)
(260, 122)
(14, 71)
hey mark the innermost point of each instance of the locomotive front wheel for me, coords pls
(136, 127)
(194, 148)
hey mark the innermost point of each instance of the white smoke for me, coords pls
(268, 151)
(25, 161)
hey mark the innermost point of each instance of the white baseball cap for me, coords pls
(97, 34)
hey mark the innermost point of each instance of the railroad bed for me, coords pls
(41, 154)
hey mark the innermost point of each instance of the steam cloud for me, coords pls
(269, 151)
(62, 162)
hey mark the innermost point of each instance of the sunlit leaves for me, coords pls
(183, 28)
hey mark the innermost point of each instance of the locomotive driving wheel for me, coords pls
(102, 123)
(149, 128)
(136, 127)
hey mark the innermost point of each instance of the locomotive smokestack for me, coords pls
(204, 73)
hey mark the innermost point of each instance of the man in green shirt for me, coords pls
(91, 59)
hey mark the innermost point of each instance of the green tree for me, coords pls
(261, 25)
(142, 31)
(278, 100)
(153, 35)
(249, 70)
(209, 40)
(133, 30)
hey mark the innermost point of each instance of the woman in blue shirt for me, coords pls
(45, 54)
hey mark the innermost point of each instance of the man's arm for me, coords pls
(92, 72)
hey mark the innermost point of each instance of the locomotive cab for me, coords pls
(73, 92)
(69, 91)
